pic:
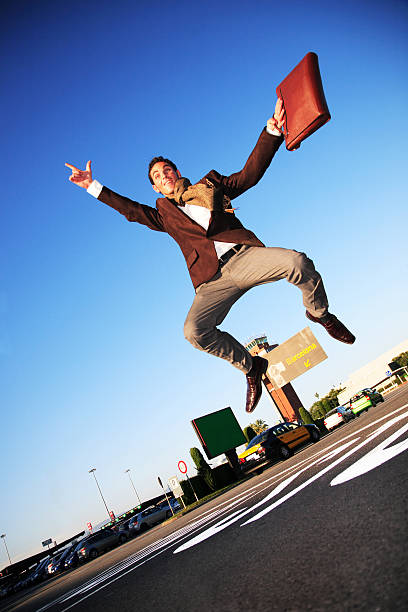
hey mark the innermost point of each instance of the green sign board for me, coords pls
(218, 432)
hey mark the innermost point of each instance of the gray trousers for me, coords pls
(250, 267)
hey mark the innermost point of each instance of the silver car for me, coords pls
(151, 516)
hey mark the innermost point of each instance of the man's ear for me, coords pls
(178, 173)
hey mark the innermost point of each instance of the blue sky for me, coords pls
(95, 371)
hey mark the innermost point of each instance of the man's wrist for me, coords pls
(274, 132)
(95, 188)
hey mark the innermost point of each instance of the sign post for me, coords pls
(176, 488)
(161, 484)
(183, 469)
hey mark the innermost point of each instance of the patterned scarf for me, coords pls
(201, 194)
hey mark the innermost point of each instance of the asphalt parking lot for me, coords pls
(324, 530)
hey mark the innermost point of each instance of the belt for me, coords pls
(230, 253)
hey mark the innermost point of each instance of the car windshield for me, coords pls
(257, 440)
(357, 397)
(280, 429)
(80, 544)
(290, 426)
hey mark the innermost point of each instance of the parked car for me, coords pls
(72, 558)
(333, 419)
(124, 527)
(57, 563)
(52, 562)
(40, 572)
(98, 542)
(151, 516)
(346, 413)
(364, 399)
(279, 441)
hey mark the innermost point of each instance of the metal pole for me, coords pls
(167, 499)
(3, 536)
(137, 494)
(92, 471)
(195, 494)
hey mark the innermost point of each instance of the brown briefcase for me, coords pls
(304, 102)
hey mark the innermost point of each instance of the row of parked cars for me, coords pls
(362, 401)
(94, 544)
(279, 441)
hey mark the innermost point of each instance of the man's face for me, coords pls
(164, 178)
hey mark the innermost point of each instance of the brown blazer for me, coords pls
(196, 243)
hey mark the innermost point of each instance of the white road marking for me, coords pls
(374, 458)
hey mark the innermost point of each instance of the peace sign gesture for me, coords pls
(82, 178)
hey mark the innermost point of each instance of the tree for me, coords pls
(402, 359)
(319, 409)
(249, 433)
(198, 458)
(326, 405)
(203, 468)
(259, 426)
(305, 416)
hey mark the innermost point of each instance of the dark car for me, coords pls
(72, 559)
(124, 527)
(40, 572)
(99, 542)
(57, 563)
(346, 413)
(278, 441)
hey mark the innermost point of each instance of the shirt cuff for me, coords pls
(95, 189)
(274, 132)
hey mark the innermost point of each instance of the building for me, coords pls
(376, 373)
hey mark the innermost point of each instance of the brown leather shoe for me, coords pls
(254, 382)
(334, 327)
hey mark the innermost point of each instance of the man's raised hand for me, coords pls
(82, 178)
(278, 119)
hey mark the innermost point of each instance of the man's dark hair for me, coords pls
(159, 158)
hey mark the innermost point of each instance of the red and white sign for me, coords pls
(182, 467)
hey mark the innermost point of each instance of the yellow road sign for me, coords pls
(293, 357)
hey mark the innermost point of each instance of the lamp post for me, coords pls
(3, 536)
(92, 471)
(130, 478)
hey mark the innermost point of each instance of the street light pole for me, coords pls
(92, 471)
(3, 536)
(137, 495)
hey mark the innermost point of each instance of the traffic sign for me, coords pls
(175, 486)
(182, 467)
(47, 542)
